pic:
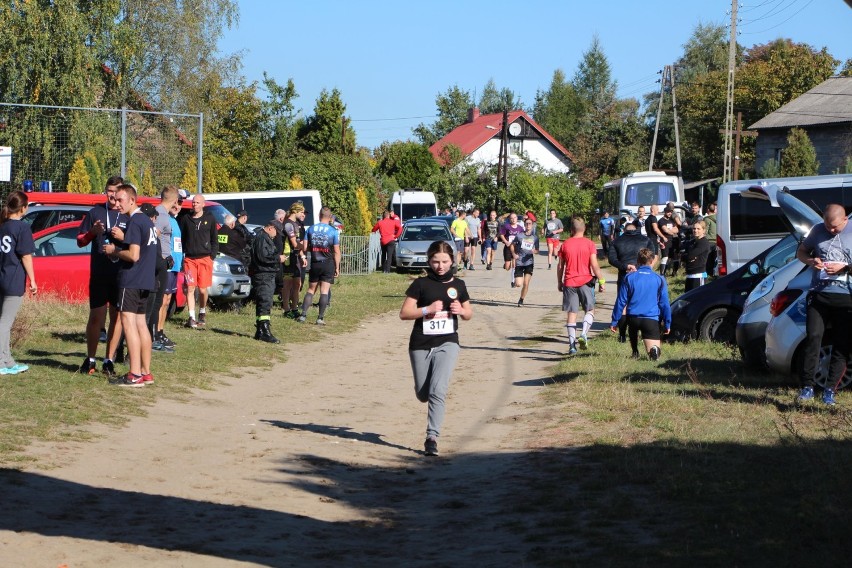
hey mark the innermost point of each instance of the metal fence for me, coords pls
(360, 254)
(44, 147)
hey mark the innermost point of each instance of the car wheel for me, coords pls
(719, 324)
(821, 378)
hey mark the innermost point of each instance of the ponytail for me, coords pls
(15, 203)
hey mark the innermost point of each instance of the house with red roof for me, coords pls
(479, 141)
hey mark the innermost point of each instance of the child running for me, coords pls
(435, 302)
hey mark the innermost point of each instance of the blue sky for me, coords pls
(389, 59)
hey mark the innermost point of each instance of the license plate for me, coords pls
(244, 288)
(420, 259)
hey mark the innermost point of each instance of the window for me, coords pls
(752, 217)
(649, 193)
(516, 147)
(62, 243)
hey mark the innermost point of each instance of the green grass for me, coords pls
(689, 460)
(52, 402)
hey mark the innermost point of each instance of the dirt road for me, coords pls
(316, 462)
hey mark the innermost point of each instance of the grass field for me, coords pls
(52, 402)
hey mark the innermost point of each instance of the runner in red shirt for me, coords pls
(576, 275)
(389, 229)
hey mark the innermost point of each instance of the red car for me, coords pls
(62, 268)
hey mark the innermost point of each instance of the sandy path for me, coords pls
(317, 461)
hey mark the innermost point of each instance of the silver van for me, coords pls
(747, 226)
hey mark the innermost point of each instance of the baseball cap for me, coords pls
(149, 210)
(242, 213)
(531, 216)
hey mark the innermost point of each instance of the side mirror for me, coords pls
(754, 269)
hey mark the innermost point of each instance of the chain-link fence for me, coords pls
(78, 149)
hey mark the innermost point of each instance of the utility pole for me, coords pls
(343, 138)
(729, 114)
(739, 132)
(667, 80)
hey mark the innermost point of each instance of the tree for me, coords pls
(799, 157)
(78, 178)
(494, 100)
(323, 131)
(279, 115)
(452, 108)
(409, 164)
(559, 110)
(593, 79)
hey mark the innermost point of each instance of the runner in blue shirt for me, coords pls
(323, 242)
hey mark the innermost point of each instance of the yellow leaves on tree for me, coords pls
(364, 207)
(78, 177)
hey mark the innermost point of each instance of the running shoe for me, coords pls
(108, 369)
(19, 368)
(622, 338)
(431, 446)
(148, 379)
(302, 319)
(202, 319)
(192, 323)
(89, 367)
(549, 267)
(807, 393)
(828, 397)
(162, 347)
(103, 336)
(320, 321)
(488, 266)
(583, 341)
(8, 370)
(520, 302)
(165, 340)
(572, 350)
(129, 380)
(654, 353)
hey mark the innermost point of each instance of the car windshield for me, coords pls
(62, 242)
(423, 232)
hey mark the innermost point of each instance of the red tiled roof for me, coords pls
(472, 135)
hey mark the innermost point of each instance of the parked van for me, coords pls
(413, 204)
(261, 205)
(641, 188)
(745, 226)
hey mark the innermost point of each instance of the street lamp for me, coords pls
(546, 205)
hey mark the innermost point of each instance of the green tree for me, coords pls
(559, 109)
(409, 164)
(593, 79)
(452, 108)
(799, 157)
(323, 131)
(497, 100)
(279, 114)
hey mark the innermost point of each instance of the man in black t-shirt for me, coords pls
(136, 281)
(652, 230)
(102, 224)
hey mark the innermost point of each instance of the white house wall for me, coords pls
(535, 150)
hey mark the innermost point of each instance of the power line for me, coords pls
(398, 118)
(782, 23)
(772, 12)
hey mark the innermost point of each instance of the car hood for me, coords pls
(797, 216)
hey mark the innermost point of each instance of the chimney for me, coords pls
(472, 114)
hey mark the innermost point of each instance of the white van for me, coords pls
(641, 188)
(413, 204)
(261, 205)
(745, 227)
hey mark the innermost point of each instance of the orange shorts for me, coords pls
(555, 243)
(198, 271)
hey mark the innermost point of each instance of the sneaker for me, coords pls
(654, 353)
(17, 368)
(129, 380)
(148, 379)
(807, 393)
(192, 323)
(488, 266)
(549, 267)
(162, 347)
(572, 350)
(166, 341)
(513, 283)
(583, 341)
(302, 319)
(622, 338)
(103, 336)
(202, 319)
(292, 314)
(634, 355)
(320, 321)
(471, 268)
(89, 367)
(431, 446)
(520, 302)
(108, 369)
(828, 397)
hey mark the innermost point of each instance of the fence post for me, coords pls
(123, 141)
(200, 160)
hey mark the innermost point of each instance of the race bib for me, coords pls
(177, 245)
(510, 238)
(551, 226)
(526, 245)
(441, 323)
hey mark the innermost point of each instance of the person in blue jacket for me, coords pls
(646, 296)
